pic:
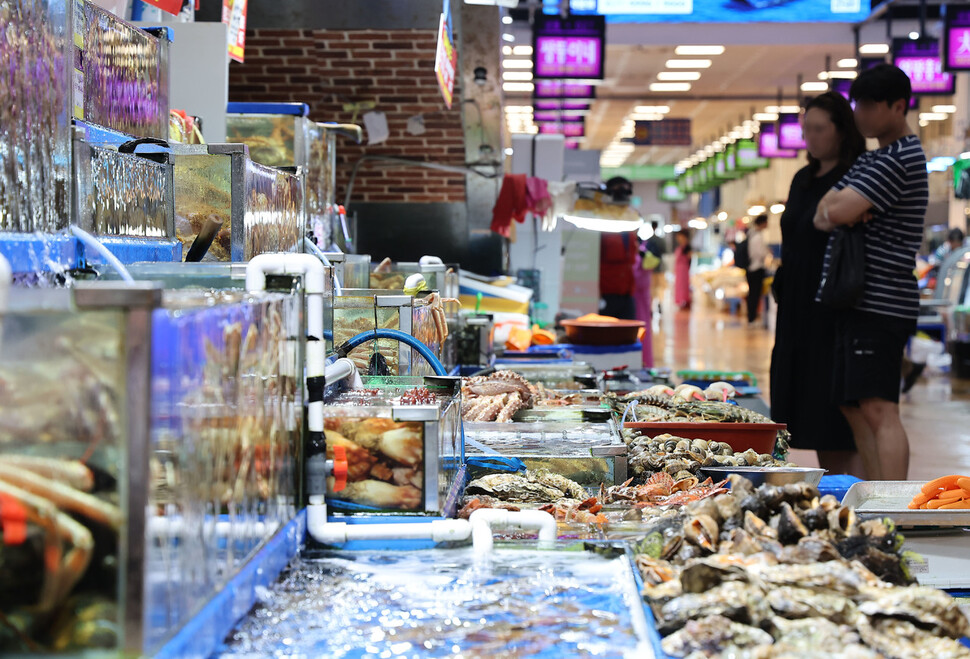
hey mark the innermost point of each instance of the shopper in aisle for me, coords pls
(643, 275)
(755, 269)
(888, 190)
(682, 257)
(657, 245)
(618, 254)
(801, 361)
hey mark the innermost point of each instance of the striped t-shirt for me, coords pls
(893, 179)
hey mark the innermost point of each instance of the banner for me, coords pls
(234, 15)
(445, 60)
(173, 7)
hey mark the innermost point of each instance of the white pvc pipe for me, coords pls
(342, 369)
(485, 520)
(314, 276)
(430, 260)
(95, 244)
(338, 533)
(6, 281)
(316, 251)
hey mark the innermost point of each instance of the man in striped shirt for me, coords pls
(888, 190)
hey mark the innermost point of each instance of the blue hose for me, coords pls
(397, 335)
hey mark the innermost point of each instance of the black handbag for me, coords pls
(845, 283)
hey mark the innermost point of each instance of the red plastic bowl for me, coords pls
(741, 436)
(594, 333)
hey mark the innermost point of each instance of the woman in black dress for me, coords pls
(801, 361)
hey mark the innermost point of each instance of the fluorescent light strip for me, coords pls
(507, 20)
(848, 63)
(508, 37)
(783, 109)
(517, 63)
(670, 86)
(874, 48)
(522, 51)
(652, 109)
(680, 76)
(815, 86)
(933, 116)
(519, 75)
(699, 50)
(766, 116)
(518, 87)
(688, 64)
(949, 109)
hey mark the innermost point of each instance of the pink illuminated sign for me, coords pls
(569, 48)
(956, 39)
(920, 60)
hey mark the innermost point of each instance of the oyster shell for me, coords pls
(512, 487)
(735, 600)
(791, 602)
(712, 635)
(901, 639)
(928, 607)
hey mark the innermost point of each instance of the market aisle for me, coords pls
(936, 413)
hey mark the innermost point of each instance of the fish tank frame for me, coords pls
(442, 439)
(265, 206)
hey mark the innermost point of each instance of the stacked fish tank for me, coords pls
(403, 445)
(351, 270)
(259, 209)
(356, 311)
(226, 442)
(281, 135)
(148, 447)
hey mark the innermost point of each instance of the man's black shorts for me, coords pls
(869, 356)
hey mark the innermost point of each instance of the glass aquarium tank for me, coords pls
(123, 194)
(35, 116)
(357, 311)
(148, 447)
(227, 421)
(403, 445)
(261, 209)
(588, 453)
(123, 79)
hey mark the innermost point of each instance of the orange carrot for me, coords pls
(956, 493)
(964, 504)
(921, 498)
(939, 503)
(943, 482)
(964, 483)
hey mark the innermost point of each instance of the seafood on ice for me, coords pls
(496, 397)
(683, 458)
(385, 461)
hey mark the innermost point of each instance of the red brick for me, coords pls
(284, 52)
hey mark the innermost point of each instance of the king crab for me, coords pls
(496, 397)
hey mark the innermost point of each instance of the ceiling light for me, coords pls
(814, 87)
(646, 116)
(756, 210)
(914, 35)
(518, 109)
(669, 76)
(698, 224)
(652, 109)
(933, 116)
(507, 20)
(602, 224)
(848, 63)
(508, 152)
(699, 50)
(522, 51)
(923, 123)
(670, 86)
(766, 116)
(518, 75)
(874, 48)
(777, 209)
(506, 50)
(508, 37)
(783, 109)
(689, 63)
(518, 87)
(517, 63)
(722, 216)
(950, 109)
(840, 75)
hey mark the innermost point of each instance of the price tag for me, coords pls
(234, 15)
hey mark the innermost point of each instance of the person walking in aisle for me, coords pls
(801, 360)
(643, 273)
(755, 270)
(682, 257)
(618, 254)
(657, 246)
(888, 190)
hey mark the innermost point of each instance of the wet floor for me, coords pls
(936, 413)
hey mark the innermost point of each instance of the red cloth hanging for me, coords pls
(513, 202)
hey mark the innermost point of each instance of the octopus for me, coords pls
(496, 397)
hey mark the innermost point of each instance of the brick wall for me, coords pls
(395, 68)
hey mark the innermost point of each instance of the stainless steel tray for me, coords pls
(770, 475)
(891, 498)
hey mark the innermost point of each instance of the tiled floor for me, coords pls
(936, 413)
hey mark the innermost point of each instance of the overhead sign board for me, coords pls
(717, 11)
(956, 38)
(667, 132)
(571, 48)
(920, 60)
